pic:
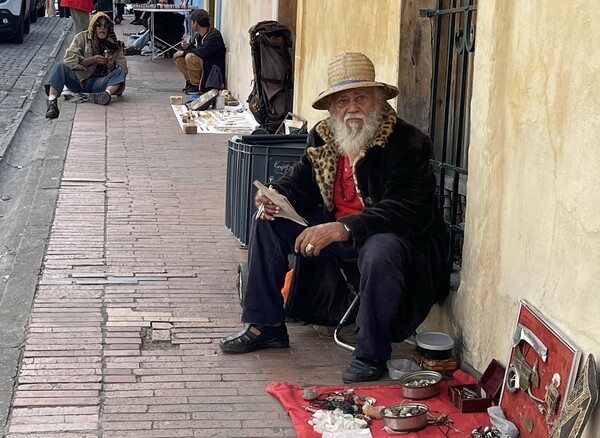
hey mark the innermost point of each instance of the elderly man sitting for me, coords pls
(366, 187)
(94, 63)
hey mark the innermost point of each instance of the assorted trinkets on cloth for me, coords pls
(340, 410)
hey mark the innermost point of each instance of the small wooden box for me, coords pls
(190, 128)
(477, 397)
(445, 367)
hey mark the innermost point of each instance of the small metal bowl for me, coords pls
(395, 417)
(415, 391)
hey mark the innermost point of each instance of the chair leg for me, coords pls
(337, 340)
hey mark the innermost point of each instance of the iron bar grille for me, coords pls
(453, 39)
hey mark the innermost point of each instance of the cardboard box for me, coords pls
(176, 100)
(478, 397)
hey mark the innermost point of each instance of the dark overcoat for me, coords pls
(396, 185)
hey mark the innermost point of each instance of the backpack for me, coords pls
(272, 92)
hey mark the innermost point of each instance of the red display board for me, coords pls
(540, 358)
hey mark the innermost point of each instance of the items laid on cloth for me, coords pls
(440, 407)
(232, 120)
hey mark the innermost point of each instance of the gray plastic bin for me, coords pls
(255, 157)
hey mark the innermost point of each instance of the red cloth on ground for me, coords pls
(290, 397)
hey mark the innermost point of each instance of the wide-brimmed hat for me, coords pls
(347, 71)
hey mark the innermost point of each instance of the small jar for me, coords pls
(220, 102)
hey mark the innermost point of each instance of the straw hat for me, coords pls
(347, 71)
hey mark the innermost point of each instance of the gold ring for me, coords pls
(309, 248)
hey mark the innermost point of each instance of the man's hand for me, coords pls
(178, 54)
(184, 45)
(96, 59)
(110, 62)
(314, 239)
(267, 210)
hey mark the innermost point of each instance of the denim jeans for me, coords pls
(62, 76)
(383, 262)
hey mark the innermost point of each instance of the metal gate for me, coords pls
(453, 32)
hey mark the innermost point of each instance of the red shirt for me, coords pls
(345, 198)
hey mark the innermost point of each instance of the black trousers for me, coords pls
(383, 261)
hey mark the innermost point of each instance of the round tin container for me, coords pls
(411, 389)
(435, 345)
(394, 419)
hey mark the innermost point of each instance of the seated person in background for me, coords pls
(196, 60)
(94, 63)
(366, 187)
(168, 27)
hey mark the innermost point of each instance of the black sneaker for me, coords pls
(254, 337)
(187, 84)
(52, 111)
(191, 89)
(100, 98)
(364, 370)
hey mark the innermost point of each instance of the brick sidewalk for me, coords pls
(138, 286)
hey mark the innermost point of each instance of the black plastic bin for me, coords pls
(255, 157)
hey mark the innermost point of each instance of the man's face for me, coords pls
(102, 27)
(353, 106)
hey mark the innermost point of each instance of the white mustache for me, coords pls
(354, 116)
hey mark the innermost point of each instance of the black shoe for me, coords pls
(130, 50)
(137, 22)
(52, 111)
(187, 84)
(255, 337)
(100, 98)
(364, 370)
(191, 89)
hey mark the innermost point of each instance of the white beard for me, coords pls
(352, 139)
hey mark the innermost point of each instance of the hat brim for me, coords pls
(322, 101)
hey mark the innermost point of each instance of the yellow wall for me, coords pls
(533, 213)
(238, 16)
(326, 28)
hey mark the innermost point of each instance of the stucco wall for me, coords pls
(326, 28)
(533, 213)
(237, 17)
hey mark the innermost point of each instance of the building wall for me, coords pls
(237, 17)
(533, 217)
(326, 28)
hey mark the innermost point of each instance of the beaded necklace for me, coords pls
(344, 171)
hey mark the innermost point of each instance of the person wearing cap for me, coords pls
(367, 189)
(207, 51)
(94, 63)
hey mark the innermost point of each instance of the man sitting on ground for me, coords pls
(94, 63)
(366, 187)
(196, 60)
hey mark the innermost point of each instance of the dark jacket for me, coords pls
(396, 185)
(211, 48)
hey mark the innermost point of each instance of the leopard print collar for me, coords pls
(325, 158)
